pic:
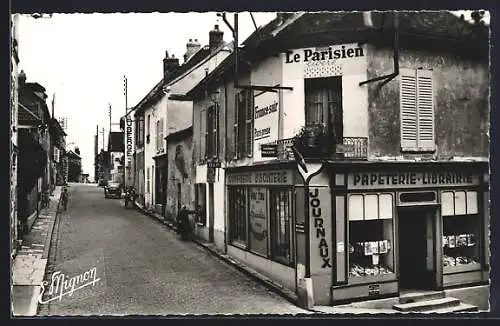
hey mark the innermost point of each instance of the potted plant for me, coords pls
(314, 141)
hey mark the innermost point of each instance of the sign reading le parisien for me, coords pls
(411, 179)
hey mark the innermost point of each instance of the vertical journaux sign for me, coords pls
(266, 116)
(320, 217)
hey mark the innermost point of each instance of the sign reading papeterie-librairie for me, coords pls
(364, 180)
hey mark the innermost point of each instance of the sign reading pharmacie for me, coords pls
(272, 177)
(378, 180)
(266, 116)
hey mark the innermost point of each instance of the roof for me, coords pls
(180, 134)
(72, 154)
(196, 58)
(180, 116)
(200, 57)
(440, 26)
(320, 28)
(56, 127)
(116, 141)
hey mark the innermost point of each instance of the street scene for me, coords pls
(280, 163)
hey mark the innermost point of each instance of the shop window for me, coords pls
(281, 220)
(201, 203)
(237, 200)
(417, 110)
(324, 104)
(461, 230)
(371, 241)
(257, 218)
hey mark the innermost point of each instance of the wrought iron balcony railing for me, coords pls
(352, 148)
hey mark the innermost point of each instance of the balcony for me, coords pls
(352, 148)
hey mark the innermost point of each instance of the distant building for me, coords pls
(74, 165)
(116, 150)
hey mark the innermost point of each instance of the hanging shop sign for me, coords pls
(129, 145)
(266, 116)
(269, 150)
(320, 217)
(375, 180)
(274, 177)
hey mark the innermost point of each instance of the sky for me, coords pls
(81, 59)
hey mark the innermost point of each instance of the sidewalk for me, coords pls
(210, 247)
(28, 266)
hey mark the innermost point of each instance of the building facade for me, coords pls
(165, 110)
(333, 154)
(13, 150)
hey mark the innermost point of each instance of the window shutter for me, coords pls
(216, 129)
(203, 132)
(408, 103)
(425, 105)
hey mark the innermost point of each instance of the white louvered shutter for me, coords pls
(408, 103)
(425, 105)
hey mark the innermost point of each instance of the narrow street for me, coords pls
(148, 270)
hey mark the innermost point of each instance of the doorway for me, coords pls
(416, 235)
(211, 212)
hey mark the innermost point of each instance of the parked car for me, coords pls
(113, 189)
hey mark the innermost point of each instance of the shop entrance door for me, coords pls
(416, 229)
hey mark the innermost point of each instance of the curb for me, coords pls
(268, 283)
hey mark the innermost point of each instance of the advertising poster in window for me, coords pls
(266, 116)
(258, 220)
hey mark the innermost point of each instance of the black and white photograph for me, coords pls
(250, 163)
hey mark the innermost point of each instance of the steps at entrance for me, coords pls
(432, 302)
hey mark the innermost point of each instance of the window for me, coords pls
(324, 104)
(281, 224)
(461, 227)
(159, 135)
(147, 180)
(243, 128)
(238, 215)
(148, 126)
(370, 235)
(139, 135)
(257, 219)
(203, 134)
(417, 110)
(201, 202)
(211, 131)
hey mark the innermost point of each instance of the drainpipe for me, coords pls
(389, 77)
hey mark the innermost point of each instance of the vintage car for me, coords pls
(113, 189)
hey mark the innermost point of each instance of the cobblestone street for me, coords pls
(148, 270)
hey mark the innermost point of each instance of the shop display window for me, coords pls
(371, 235)
(461, 227)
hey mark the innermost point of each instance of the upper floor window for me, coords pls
(148, 126)
(417, 110)
(324, 104)
(139, 134)
(243, 127)
(211, 131)
(159, 135)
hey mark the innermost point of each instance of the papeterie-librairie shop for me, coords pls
(409, 227)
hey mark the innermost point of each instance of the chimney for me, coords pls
(170, 64)
(191, 48)
(367, 19)
(216, 38)
(22, 77)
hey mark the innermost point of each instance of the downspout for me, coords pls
(389, 77)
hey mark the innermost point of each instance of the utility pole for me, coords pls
(109, 117)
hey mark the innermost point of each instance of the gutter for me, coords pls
(389, 77)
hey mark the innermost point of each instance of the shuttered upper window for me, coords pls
(417, 110)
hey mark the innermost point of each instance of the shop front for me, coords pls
(406, 228)
(260, 220)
